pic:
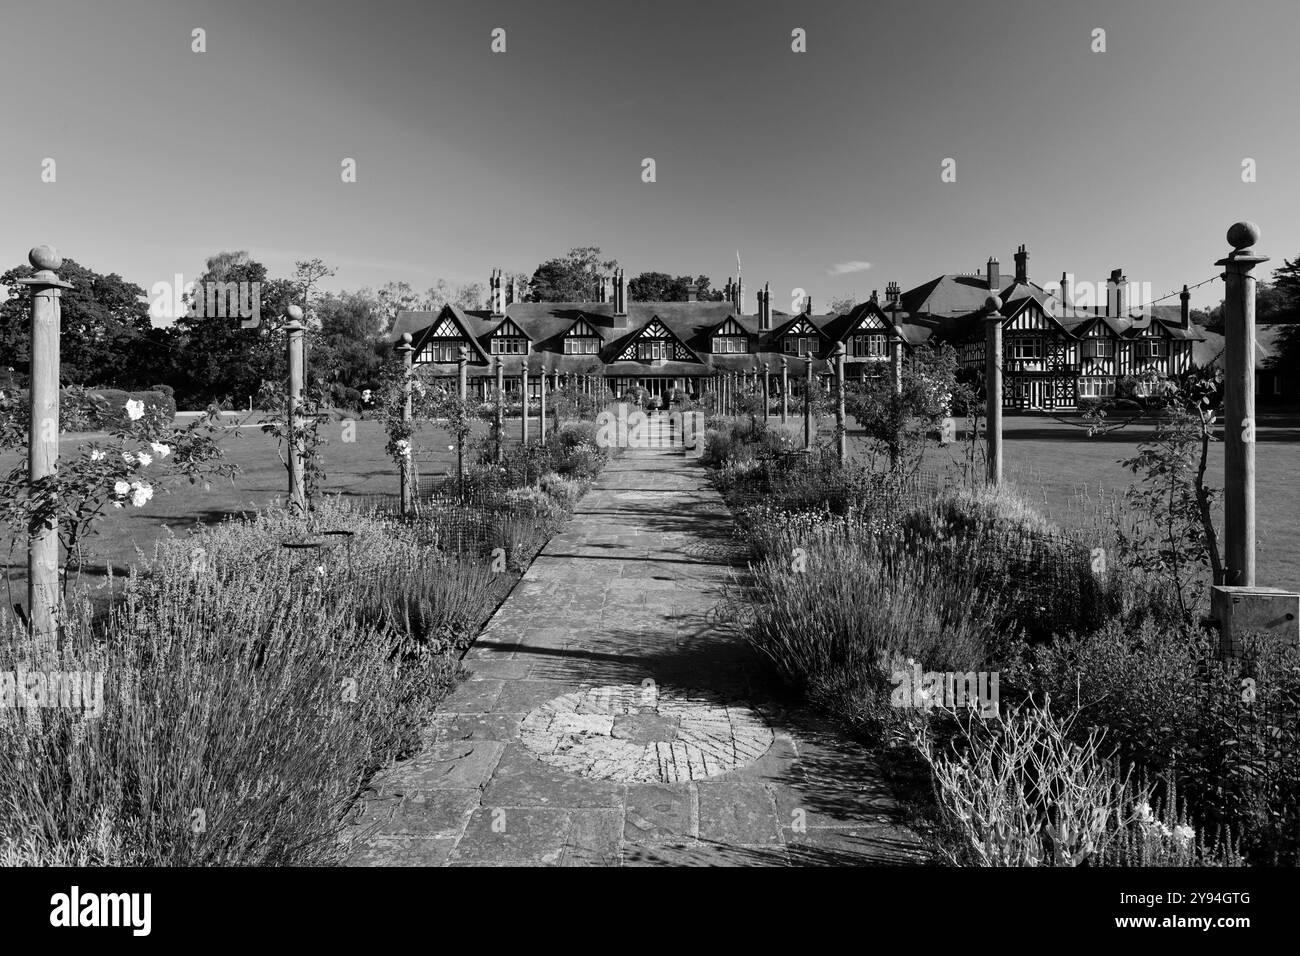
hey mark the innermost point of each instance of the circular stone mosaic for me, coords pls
(641, 734)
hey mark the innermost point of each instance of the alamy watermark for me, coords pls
(207, 300)
(628, 427)
(947, 689)
(70, 690)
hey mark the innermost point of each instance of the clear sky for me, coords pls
(469, 160)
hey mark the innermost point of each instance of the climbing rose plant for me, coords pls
(144, 452)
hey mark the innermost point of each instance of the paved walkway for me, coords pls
(612, 719)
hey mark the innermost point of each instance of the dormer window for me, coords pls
(443, 351)
(730, 344)
(508, 345)
(652, 349)
(869, 346)
(581, 345)
(800, 344)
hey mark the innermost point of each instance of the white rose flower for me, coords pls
(159, 449)
(1184, 834)
(1144, 813)
(128, 458)
(134, 410)
(96, 455)
(140, 493)
(121, 488)
(144, 460)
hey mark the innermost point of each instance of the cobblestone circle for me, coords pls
(643, 734)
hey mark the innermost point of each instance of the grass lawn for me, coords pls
(1077, 481)
(352, 469)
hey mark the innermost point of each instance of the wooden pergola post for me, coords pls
(297, 361)
(807, 405)
(840, 430)
(993, 387)
(500, 410)
(405, 476)
(43, 444)
(785, 389)
(767, 413)
(541, 421)
(1239, 405)
(523, 407)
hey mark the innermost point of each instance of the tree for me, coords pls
(344, 352)
(661, 287)
(899, 425)
(1286, 280)
(107, 336)
(306, 273)
(842, 305)
(573, 277)
(217, 359)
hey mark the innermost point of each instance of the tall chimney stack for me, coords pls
(692, 292)
(602, 291)
(620, 299)
(497, 291)
(807, 305)
(740, 296)
(993, 273)
(1067, 293)
(893, 294)
(1115, 289)
(1022, 265)
(765, 308)
(1185, 316)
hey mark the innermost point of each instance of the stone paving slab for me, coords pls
(610, 719)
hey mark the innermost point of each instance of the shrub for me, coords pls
(249, 692)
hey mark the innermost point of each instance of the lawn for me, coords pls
(1072, 478)
(353, 469)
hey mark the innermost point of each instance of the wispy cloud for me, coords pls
(844, 268)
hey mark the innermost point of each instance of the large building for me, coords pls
(1055, 352)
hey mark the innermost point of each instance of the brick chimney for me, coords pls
(1115, 289)
(993, 274)
(602, 292)
(692, 292)
(1185, 316)
(497, 293)
(875, 297)
(1022, 265)
(893, 294)
(740, 296)
(1067, 292)
(514, 290)
(807, 305)
(765, 308)
(620, 300)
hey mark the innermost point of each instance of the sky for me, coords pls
(822, 168)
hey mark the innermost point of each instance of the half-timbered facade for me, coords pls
(1055, 355)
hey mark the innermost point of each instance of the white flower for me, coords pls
(140, 493)
(134, 410)
(404, 448)
(96, 455)
(121, 488)
(159, 449)
(145, 460)
(320, 570)
(117, 504)
(1184, 834)
(128, 458)
(1144, 814)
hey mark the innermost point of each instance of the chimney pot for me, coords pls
(1185, 316)
(1022, 265)
(993, 275)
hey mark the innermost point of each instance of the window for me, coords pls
(1097, 387)
(799, 345)
(441, 352)
(502, 345)
(1098, 348)
(652, 349)
(1027, 347)
(730, 344)
(581, 345)
(1150, 349)
(869, 346)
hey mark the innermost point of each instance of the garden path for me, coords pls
(613, 717)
